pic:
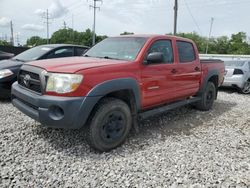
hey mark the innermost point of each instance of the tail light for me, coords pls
(238, 71)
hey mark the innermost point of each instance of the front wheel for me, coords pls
(109, 125)
(246, 88)
(207, 97)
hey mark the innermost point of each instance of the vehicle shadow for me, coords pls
(228, 90)
(183, 120)
(4, 101)
(175, 122)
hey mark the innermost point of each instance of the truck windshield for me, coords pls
(122, 48)
(234, 63)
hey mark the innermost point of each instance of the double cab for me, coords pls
(118, 82)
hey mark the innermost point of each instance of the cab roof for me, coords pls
(148, 36)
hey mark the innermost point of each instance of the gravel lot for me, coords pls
(183, 148)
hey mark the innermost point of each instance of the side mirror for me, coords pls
(155, 57)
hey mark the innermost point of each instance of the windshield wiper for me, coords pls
(107, 57)
(19, 60)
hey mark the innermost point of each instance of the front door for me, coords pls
(158, 79)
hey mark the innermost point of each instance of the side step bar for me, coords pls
(160, 110)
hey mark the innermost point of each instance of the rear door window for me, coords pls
(185, 51)
(61, 52)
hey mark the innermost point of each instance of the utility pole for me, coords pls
(209, 35)
(73, 35)
(175, 16)
(72, 21)
(64, 25)
(94, 7)
(47, 17)
(17, 39)
(5, 37)
(12, 34)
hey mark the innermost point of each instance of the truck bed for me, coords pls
(209, 65)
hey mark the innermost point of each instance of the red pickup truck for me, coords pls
(117, 82)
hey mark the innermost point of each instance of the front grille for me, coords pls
(30, 81)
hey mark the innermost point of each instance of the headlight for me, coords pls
(5, 73)
(63, 83)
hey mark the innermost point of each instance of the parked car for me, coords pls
(237, 75)
(5, 55)
(120, 80)
(10, 68)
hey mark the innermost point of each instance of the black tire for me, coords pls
(109, 124)
(207, 97)
(246, 88)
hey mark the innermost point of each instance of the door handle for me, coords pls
(197, 69)
(173, 71)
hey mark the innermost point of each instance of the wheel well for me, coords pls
(215, 80)
(126, 96)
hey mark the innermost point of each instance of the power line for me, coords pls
(94, 7)
(188, 8)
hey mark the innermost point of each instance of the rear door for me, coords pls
(188, 71)
(157, 79)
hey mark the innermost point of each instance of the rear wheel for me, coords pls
(207, 97)
(109, 125)
(246, 88)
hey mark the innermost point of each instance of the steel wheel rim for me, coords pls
(113, 127)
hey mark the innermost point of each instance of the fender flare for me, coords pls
(210, 74)
(102, 89)
(110, 86)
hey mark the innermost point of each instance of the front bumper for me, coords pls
(53, 111)
(234, 81)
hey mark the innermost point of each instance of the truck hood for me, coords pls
(73, 64)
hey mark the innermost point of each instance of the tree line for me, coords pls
(235, 44)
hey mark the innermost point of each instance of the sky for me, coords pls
(117, 16)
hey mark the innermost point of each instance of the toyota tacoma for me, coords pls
(118, 82)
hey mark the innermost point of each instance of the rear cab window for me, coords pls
(186, 52)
